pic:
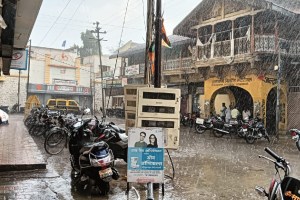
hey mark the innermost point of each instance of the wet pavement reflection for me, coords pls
(206, 167)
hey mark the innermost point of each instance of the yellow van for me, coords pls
(63, 104)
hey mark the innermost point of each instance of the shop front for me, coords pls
(256, 93)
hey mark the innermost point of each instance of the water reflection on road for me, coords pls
(205, 168)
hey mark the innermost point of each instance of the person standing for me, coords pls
(223, 109)
(141, 143)
(246, 114)
(228, 114)
(235, 113)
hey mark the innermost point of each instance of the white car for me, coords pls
(3, 117)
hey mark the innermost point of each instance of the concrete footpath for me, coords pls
(18, 151)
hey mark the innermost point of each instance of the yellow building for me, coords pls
(238, 44)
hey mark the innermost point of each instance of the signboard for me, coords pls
(64, 82)
(19, 59)
(145, 155)
(124, 82)
(64, 88)
(132, 70)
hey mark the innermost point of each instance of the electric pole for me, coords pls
(97, 31)
(157, 61)
(150, 10)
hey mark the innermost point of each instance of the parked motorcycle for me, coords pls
(114, 136)
(185, 119)
(287, 188)
(95, 169)
(220, 128)
(256, 131)
(92, 161)
(204, 124)
(295, 133)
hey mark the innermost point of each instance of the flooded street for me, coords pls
(205, 167)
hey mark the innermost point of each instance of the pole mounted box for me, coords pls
(160, 107)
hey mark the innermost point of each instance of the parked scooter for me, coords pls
(287, 188)
(295, 133)
(92, 161)
(114, 136)
(96, 169)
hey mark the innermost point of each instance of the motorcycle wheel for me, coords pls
(241, 133)
(298, 144)
(250, 139)
(104, 187)
(184, 123)
(217, 134)
(199, 129)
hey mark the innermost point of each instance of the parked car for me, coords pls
(63, 104)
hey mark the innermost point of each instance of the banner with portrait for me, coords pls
(145, 155)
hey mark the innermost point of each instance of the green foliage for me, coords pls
(90, 46)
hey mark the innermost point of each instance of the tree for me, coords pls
(90, 46)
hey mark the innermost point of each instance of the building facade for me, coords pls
(238, 45)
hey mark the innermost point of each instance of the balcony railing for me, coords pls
(240, 46)
(177, 64)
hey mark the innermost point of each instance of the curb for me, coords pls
(22, 167)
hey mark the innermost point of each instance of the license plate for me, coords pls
(199, 121)
(244, 130)
(105, 173)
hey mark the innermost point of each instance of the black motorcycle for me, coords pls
(92, 161)
(204, 124)
(220, 128)
(256, 131)
(114, 136)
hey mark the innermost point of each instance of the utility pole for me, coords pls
(29, 57)
(157, 73)
(157, 60)
(150, 9)
(97, 31)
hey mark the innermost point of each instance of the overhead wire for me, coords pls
(55, 22)
(117, 53)
(64, 28)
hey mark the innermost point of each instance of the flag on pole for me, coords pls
(165, 40)
(151, 55)
(64, 43)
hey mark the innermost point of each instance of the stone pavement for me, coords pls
(18, 151)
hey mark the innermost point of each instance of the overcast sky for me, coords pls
(60, 20)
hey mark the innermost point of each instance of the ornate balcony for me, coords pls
(242, 46)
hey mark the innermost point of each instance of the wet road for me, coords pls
(205, 168)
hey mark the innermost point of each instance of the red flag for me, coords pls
(165, 40)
